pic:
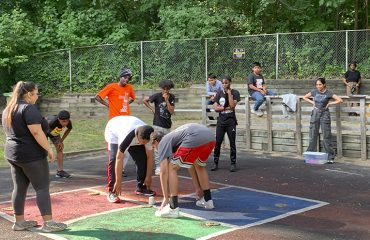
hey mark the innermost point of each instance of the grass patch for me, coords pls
(89, 133)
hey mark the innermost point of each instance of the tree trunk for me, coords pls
(356, 14)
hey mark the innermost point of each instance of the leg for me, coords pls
(113, 148)
(314, 130)
(60, 159)
(139, 156)
(220, 134)
(206, 201)
(231, 134)
(325, 123)
(195, 180)
(259, 98)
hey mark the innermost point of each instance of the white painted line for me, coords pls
(339, 171)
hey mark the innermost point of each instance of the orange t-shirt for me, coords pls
(118, 98)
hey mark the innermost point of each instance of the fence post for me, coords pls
(70, 69)
(363, 128)
(277, 57)
(204, 110)
(339, 132)
(248, 134)
(206, 56)
(345, 66)
(141, 64)
(298, 126)
(269, 124)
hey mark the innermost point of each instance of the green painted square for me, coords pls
(138, 223)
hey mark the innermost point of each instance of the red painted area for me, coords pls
(71, 205)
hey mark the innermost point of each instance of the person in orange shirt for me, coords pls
(120, 95)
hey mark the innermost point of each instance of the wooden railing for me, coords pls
(275, 132)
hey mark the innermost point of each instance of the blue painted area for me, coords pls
(239, 206)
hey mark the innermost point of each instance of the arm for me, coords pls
(218, 107)
(208, 90)
(337, 100)
(232, 102)
(149, 167)
(41, 139)
(170, 107)
(100, 100)
(118, 171)
(66, 134)
(307, 98)
(147, 104)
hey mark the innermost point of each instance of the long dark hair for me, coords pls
(19, 90)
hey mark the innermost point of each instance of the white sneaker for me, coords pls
(51, 226)
(24, 225)
(167, 212)
(263, 106)
(259, 113)
(157, 171)
(207, 205)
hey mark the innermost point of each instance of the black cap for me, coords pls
(64, 115)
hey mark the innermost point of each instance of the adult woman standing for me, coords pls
(320, 116)
(26, 149)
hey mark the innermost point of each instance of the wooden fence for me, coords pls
(275, 132)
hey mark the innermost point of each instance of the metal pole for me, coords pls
(206, 58)
(345, 66)
(70, 70)
(141, 64)
(277, 57)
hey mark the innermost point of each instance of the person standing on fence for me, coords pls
(128, 134)
(225, 103)
(120, 95)
(257, 89)
(352, 79)
(213, 86)
(164, 107)
(27, 149)
(188, 146)
(56, 124)
(320, 116)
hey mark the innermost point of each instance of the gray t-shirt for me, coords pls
(189, 135)
(321, 99)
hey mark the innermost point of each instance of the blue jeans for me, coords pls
(260, 98)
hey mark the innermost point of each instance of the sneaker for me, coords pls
(259, 113)
(262, 107)
(23, 225)
(62, 174)
(51, 226)
(214, 167)
(233, 167)
(331, 161)
(207, 205)
(157, 171)
(113, 198)
(167, 212)
(124, 174)
(145, 192)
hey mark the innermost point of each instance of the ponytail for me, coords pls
(19, 90)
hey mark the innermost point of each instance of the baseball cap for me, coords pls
(125, 72)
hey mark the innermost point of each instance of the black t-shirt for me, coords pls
(20, 145)
(55, 127)
(127, 142)
(226, 117)
(162, 117)
(352, 76)
(257, 81)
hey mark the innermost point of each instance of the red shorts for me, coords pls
(186, 157)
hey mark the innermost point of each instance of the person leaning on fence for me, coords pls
(56, 124)
(352, 79)
(225, 103)
(213, 86)
(120, 95)
(257, 89)
(164, 107)
(27, 149)
(188, 146)
(128, 134)
(320, 116)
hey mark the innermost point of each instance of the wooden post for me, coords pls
(339, 132)
(269, 124)
(248, 133)
(204, 110)
(298, 127)
(363, 128)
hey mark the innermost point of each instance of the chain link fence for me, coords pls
(283, 56)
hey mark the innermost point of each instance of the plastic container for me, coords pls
(315, 157)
